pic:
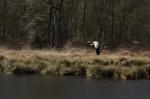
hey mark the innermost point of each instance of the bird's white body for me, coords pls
(96, 44)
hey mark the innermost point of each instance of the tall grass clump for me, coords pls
(65, 68)
(139, 62)
(108, 72)
(104, 62)
(94, 71)
(134, 72)
(113, 65)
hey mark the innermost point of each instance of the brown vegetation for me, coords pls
(117, 65)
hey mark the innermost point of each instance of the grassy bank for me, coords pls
(121, 64)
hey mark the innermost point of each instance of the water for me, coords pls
(39, 87)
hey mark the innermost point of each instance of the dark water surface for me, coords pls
(41, 87)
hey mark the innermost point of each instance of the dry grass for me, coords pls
(115, 64)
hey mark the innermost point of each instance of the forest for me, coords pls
(46, 24)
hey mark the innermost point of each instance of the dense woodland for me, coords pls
(71, 23)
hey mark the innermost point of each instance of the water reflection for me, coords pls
(43, 87)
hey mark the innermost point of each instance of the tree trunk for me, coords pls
(4, 26)
(112, 23)
(83, 23)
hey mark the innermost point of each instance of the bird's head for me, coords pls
(90, 43)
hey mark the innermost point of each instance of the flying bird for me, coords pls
(98, 46)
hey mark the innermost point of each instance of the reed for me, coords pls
(113, 65)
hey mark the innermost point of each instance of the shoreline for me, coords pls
(122, 64)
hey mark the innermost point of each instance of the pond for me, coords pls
(45, 87)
